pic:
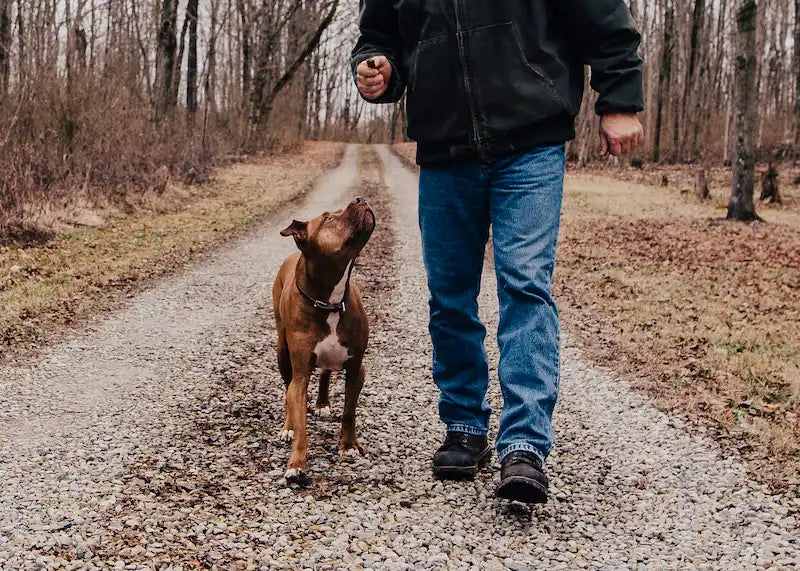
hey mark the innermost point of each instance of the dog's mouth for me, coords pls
(364, 225)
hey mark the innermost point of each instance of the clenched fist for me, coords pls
(373, 81)
(619, 133)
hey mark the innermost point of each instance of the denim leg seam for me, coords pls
(458, 427)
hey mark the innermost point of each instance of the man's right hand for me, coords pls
(373, 82)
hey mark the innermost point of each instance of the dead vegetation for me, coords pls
(407, 153)
(683, 179)
(700, 313)
(104, 254)
(95, 146)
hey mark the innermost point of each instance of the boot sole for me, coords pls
(461, 472)
(522, 489)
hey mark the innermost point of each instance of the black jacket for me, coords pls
(487, 78)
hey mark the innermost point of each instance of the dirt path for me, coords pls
(148, 440)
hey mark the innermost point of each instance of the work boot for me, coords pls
(460, 455)
(522, 478)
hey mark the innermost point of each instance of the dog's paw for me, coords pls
(350, 450)
(286, 435)
(323, 412)
(296, 476)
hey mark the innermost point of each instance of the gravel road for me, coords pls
(149, 440)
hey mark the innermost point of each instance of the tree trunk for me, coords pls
(176, 74)
(740, 205)
(20, 45)
(191, 59)
(5, 45)
(78, 48)
(699, 101)
(245, 30)
(211, 61)
(797, 71)
(769, 186)
(691, 84)
(664, 76)
(701, 184)
(165, 58)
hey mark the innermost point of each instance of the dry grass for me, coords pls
(93, 141)
(701, 314)
(86, 268)
(407, 153)
(681, 181)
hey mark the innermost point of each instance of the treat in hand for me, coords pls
(374, 75)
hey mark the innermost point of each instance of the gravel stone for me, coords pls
(148, 439)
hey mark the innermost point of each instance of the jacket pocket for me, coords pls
(436, 107)
(510, 92)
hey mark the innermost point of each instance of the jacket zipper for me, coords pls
(476, 128)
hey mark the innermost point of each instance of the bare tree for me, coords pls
(191, 60)
(165, 59)
(5, 45)
(264, 95)
(664, 74)
(690, 85)
(797, 69)
(244, 25)
(740, 205)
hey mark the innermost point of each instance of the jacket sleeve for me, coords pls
(380, 35)
(608, 41)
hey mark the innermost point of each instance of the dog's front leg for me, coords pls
(348, 443)
(296, 404)
(323, 408)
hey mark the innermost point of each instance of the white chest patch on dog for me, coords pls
(330, 352)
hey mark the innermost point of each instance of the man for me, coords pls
(493, 90)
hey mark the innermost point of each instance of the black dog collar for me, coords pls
(340, 307)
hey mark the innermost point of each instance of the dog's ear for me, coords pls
(297, 229)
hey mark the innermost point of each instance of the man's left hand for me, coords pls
(620, 133)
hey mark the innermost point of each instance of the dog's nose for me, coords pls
(358, 200)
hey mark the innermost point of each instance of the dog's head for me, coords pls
(334, 238)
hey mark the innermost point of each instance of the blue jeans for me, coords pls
(520, 197)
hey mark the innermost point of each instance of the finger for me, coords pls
(603, 145)
(364, 71)
(371, 88)
(384, 67)
(640, 140)
(371, 81)
(625, 145)
(616, 148)
(380, 61)
(372, 93)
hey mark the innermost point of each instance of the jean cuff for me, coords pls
(466, 428)
(519, 446)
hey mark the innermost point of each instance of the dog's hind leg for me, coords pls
(284, 359)
(323, 408)
(285, 366)
(348, 443)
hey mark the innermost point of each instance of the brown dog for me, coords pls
(321, 323)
